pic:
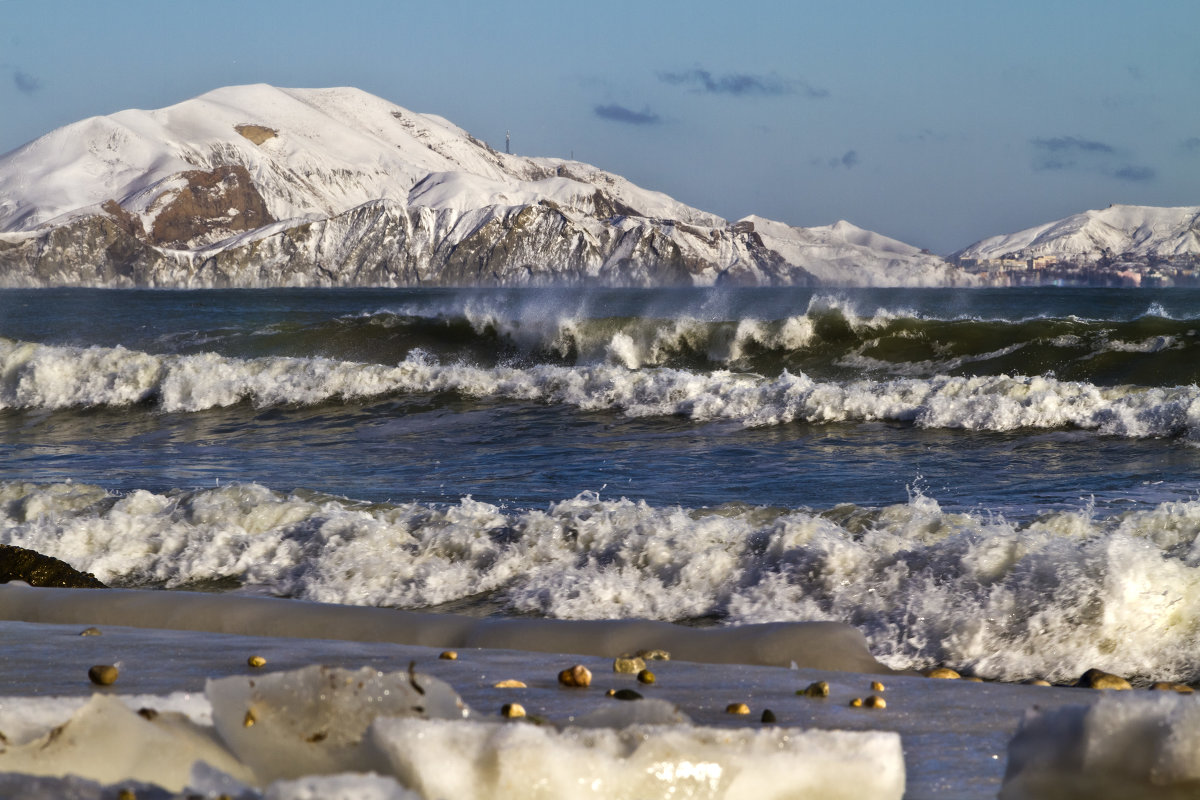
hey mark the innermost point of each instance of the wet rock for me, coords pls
(655, 655)
(815, 689)
(646, 676)
(30, 566)
(629, 664)
(768, 717)
(1171, 686)
(875, 701)
(876, 686)
(510, 683)
(856, 702)
(103, 674)
(512, 710)
(737, 708)
(625, 694)
(1036, 682)
(942, 673)
(91, 632)
(1099, 679)
(448, 655)
(256, 661)
(577, 676)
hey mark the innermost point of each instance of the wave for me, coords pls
(1048, 598)
(34, 376)
(830, 339)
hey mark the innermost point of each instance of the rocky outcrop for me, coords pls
(20, 564)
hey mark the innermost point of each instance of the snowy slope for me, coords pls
(1119, 230)
(257, 185)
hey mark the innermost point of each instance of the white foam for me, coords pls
(1049, 598)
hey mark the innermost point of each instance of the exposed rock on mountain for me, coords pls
(258, 186)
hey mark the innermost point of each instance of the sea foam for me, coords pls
(1050, 597)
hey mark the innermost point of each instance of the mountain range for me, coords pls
(258, 186)
(262, 186)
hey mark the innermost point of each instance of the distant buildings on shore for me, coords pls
(1108, 270)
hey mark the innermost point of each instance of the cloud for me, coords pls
(740, 84)
(25, 83)
(1135, 173)
(1191, 145)
(1063, 153)
(616, 113)
(847, 160)
(1071, 144)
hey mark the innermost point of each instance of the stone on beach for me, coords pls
(1099, 679)
(256, 661)
(509, 683)
(628, 664)
(737, 708)
(577, 676)
(943, 673)
(103, 674)
(815, 689)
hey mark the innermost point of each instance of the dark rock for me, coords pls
(20, 564)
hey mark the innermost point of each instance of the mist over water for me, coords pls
(1001, 479)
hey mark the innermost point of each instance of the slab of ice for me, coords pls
(1121, 747)
(497, 761)
(312, 721)
(106, 742)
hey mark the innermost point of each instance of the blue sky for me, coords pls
(934, 122)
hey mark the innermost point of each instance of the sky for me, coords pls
(937, 122)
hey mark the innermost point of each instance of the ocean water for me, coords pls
(1003, 481)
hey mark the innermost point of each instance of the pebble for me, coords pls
(856, 702)
(1099, 679)
(944, 673)
(646, 676)
(816, 689)
(511, 683)
(1036, 682)
(973, 679)
(256, 661)
(1172, 686)
(512, 710)
(448, 655)
(249, 720)
(126, 794)
(768, 716)
(655, 655)
(576, 676)
(103, 674)
(875, 701)
(629, 664)
(737, 708)
(93, 631)
(876, 686)
(624, 694)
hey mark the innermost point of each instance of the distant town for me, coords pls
(1123, 271)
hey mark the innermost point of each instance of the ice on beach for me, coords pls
(326, 732)
(1121, 747)
(107, 742)
(490, 761)
(313, 720)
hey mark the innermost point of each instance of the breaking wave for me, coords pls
(1048, 597)
(35, 376)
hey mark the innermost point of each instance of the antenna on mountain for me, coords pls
(507, 142)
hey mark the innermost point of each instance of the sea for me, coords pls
(1003, 481)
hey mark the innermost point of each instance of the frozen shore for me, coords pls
(955, 735)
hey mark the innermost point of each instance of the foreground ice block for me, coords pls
(1121, 747)
(312, 721)
(497, 761)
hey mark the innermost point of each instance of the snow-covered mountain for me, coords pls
(261, 186)
(1115, 234)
